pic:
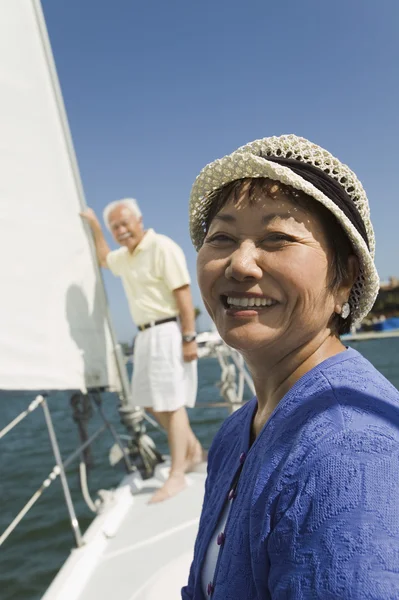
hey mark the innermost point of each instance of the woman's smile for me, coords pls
(246, 305)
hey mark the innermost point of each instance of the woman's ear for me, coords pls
(347, 283)
(353, 270)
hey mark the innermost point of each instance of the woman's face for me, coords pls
(263, 274)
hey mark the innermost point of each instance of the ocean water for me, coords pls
(31, 557)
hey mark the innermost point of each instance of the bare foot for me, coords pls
(195, 456)
(172, 486)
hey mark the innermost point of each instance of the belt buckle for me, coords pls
(147, 325)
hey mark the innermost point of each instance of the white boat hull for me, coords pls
(135, 551)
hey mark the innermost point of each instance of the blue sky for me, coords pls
(155, 90)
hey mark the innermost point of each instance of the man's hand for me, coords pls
(90, 216)
(190, 351)
(102, 248)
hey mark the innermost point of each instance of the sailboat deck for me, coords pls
(135, 551)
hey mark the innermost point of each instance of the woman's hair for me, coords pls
(337, 239)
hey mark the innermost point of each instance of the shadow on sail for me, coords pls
(87, 329)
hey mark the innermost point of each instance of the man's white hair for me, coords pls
(130, 204)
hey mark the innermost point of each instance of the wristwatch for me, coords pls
(189, 337)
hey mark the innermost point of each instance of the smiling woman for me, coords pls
(298, 503)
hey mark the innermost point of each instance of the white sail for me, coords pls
(54, 332)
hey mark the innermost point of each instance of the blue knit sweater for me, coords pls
(315, 513)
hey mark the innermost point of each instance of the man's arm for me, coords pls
(102, 248)
(185, 306)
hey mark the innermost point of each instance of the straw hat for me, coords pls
(251, 161)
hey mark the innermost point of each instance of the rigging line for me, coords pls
(46, 483)
(77, 452)
(32, 406)
(85, 488)
(213, 405)
(154, 423)
(96, 400)
(64, 482)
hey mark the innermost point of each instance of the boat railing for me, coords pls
(234, 376)
(59, 469)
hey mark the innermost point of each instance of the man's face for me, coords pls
(126, 228)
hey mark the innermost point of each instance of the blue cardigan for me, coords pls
(315, 513)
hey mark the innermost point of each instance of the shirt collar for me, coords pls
(145, 242)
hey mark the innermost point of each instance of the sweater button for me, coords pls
(232, 494)
(210, 588)
(242, 458)
(220, 539)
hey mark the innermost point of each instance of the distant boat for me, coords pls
(390, 324)
(385, 328)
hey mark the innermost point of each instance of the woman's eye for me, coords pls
(219, 237)
(278, 237)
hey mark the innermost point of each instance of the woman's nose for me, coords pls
(243, 264)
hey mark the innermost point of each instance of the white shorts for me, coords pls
(161, 379)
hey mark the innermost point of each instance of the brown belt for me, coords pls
(153, 323)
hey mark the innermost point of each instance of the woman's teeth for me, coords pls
(249, 302)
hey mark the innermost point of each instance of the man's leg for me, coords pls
(194, 451)
(178, 429)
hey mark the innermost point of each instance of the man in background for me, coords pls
(157, 285)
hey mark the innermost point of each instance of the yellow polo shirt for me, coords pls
(149, 275)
